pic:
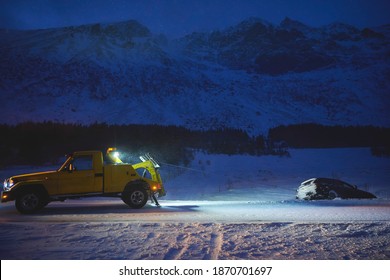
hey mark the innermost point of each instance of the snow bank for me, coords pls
(274, 178)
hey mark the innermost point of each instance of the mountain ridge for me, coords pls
(254, 75)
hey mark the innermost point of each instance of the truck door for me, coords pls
(79, 177)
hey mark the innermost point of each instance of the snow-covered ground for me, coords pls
(221, 207)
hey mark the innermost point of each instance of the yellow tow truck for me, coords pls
(86, 174)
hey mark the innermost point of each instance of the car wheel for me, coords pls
(135, 197)
(30, 202)
(332, 195)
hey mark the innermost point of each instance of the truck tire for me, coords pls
(30, 202)
(136, 197)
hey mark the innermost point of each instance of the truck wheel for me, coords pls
(30, 202)
(135, 197)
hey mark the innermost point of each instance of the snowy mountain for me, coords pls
(253, 76)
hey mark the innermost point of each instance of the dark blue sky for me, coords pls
(179, 17)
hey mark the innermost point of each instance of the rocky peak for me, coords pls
(126, 29)
(290, 24)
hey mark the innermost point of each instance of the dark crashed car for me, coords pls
(324, 188)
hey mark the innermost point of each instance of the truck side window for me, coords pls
(82, 163)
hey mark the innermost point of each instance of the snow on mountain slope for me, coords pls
(251, 76)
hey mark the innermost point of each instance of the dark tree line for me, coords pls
(320, 136)
(48, 142)
(40, 143)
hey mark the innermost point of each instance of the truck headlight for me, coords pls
(8, 184)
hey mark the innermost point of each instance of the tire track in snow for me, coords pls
(175, 253)
(216, 241)
(194, 241)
